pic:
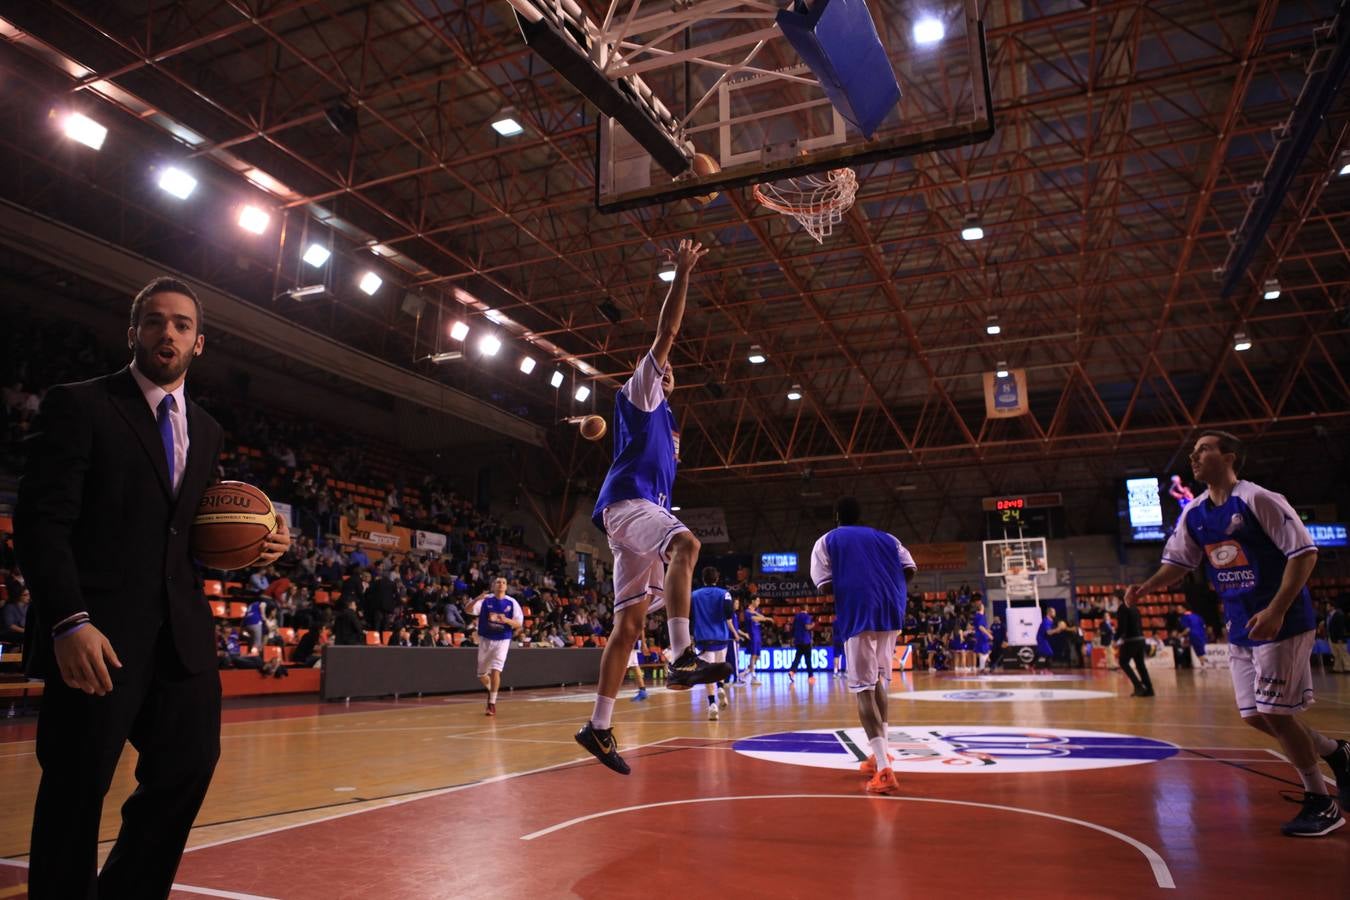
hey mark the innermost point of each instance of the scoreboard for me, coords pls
(1024, 515)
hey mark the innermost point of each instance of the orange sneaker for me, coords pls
(810, 679)
(869, 766)
(884, 782)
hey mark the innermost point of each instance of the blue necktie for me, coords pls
(167, 406)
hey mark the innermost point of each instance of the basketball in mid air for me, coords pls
(705, 165)
(593, 428)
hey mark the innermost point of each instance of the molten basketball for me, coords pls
(705, 165)
(233, 520)
(593, 428)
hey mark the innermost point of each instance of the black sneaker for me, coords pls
(600, 743)
(1339, 761)
(1320, 815)
(689, 670)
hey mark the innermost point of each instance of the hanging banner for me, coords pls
(1005, 398)
(784, 590)
(429, 540)
(708, 524)
(372, 535)
(929, 557)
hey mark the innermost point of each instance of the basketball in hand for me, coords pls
(233, 520)
(593, 428)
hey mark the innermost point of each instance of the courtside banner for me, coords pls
(708, 524)
(938, 556)
(785, 590)
(429, 540)
(1005, 398)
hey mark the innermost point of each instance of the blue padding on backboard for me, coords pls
(838, 41)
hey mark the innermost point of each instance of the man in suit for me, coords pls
(119, 628)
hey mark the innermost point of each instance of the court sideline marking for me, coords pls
(1161, 874)
(186, 888)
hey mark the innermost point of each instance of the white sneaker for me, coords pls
(723, 695)
(712, 712)
(755, 680)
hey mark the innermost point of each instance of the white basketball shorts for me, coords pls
(639, 533)
(1274, 679)
(713, 656)
(867, 659)
(492, 654)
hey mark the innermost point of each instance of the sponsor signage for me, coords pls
(938, 556)
(708, 524)
(961, 749)
(284, 511)
(785, 589)
(429, 540)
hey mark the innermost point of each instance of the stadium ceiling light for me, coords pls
(177, 182)
(1271, 289)
(370, 283)
(1001, 371)
(253, 220)
(991, 325)
(1343, 164)
(459, 331)
(447, 356)
(582, 393)
(79, 127)
(527, 364)
(1241, 342)
(667, 272)
(972, 233)
(757, 356)
(557, 379)
(309, 290)
(795, 393)
(316, 255)
(674, 509)
(506, 124)
(928, 30)
(489, 344)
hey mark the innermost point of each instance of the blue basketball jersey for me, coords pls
(866, 569)
(981, 639)
(1244, 544)
(646, 444)
(710, 607)
(496, 631)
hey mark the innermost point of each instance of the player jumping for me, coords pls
(651, 547)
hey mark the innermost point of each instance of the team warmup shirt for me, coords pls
(496, 631)
(866, 569)
(1196, 626)
(710, 608)
(1043, 646)
(646, 443)
(801, 629)
(981, 639)
(1244, 544)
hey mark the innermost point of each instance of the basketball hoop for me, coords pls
(817, 203)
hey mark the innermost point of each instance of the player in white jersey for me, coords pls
(1258, 557)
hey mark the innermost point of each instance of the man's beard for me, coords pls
(160, 373)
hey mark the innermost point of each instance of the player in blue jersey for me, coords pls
(866, 570)
(499, 617)
(1258, 557)
(1195, 627)
(712, 615)
(983, 636)
(802, 627)
(1045, 651)
(654, 553)
(754, 641)
(635, 666)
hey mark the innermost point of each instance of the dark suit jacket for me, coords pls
(98, 529)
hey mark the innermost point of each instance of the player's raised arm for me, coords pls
(672, 309)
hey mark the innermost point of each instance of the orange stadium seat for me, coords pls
(213, 588)
(287, 635)
(373, 637)
(220, 610)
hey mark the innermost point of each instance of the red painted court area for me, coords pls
(1201, 823)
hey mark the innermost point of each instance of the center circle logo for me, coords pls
(961, 749)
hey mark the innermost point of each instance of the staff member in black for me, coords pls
(119, 627)
(1131, 645)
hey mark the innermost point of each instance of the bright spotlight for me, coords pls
(253, 220)
(316, 255)
(527, 364)
(757, 356)
(81, 128)
(795, 393)
(1241, 343)
(991, 326)
(177, 182)
(582, 393)
(972, 233)
(1271, 289)
(459, 331)
(489, 344)
(667, 272)
(1002, 370)
(506, 126)
(928, 30)
(370, 283)
(557, 379)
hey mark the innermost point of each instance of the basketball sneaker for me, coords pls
(640, 695)
(754, 679)
(810, 679)
(792, 676)
(869, 766)
(600, 743)
(1339, 761)
(491, 709)
(723, 695)
(1320, 815)
(883, 782)
(712, 711)
(689, 670)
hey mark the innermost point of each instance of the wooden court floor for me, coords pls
(1011, 787)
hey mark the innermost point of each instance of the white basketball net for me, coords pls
(818, 203)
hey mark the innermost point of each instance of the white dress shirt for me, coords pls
(177, 418)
